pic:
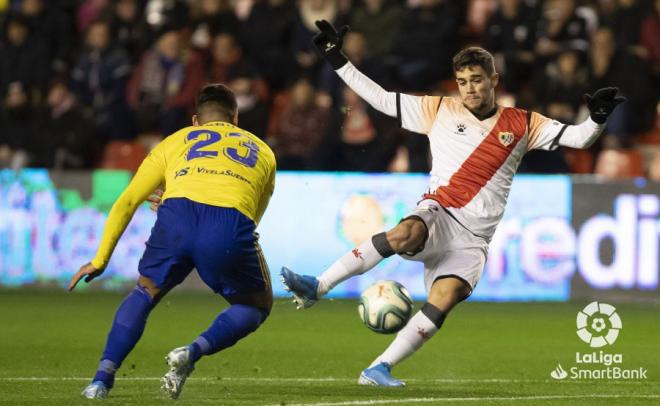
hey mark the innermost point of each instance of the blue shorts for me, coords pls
(220, 242)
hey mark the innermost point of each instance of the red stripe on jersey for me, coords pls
(484, 161)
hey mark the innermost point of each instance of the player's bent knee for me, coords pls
(260, 300)
(448, 292)
(150, 287)
(408, 236)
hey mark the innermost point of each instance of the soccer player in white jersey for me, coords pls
(476, 147)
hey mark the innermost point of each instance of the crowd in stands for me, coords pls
(84, 83)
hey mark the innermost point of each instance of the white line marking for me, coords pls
(312, 380)
(474, 399)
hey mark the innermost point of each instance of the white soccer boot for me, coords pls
(95, 390)
(181, 367)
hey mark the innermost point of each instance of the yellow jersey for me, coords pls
(217, 163)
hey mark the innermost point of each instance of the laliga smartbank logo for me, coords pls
(598, 325)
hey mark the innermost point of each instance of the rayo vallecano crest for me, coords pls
(506, 138)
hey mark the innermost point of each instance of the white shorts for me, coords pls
(450, 249)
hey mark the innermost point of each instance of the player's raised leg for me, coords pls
(241, 318)
(127, 328)
(232, 264)
(445, 293)
(407, 237)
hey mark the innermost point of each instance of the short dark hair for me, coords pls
(474, 56)
(216, 100)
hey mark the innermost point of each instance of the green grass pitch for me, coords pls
(487, 353)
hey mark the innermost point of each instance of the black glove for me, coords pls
(602, 103)
(329, 41)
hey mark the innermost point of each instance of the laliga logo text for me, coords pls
(598, 325)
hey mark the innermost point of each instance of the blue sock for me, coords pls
(127, 328)
(236, 322)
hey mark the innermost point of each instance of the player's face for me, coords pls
(476, 88)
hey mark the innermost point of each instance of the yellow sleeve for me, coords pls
(265, 197)
(146, 180)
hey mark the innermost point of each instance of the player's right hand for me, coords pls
(154, 199)
(329, 42)
(88, 271)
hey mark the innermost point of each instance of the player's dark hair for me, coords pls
(215, 102)
(474, 56)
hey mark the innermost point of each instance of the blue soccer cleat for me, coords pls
(302, 287)
(379, 375)
(96, 390)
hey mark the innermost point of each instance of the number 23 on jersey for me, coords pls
(246, 153)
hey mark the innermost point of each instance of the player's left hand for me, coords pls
(88, 271)
(329, 41)
(602, 103)
(154, 199)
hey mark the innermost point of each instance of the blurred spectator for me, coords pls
(425, 43)
(99, 81)
(358, 139)
(128, 28)
(560, 29)
(65, 132)
(378, 21)
(560, 87)
(654, 167)
(650, 40)
(266, 34)
(88, 12)
(629, 18)
(299, 129)
(510, 36)
(23, 59)
(610, 66)
(252, 111)
(163, 87)
(227, 62)
(211, 17)
(163, 15)
(51, 29)
(18, 127)
(606, 10)
(477, 14)
(619, 164)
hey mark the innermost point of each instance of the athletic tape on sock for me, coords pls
(382, 245)
(434, 314)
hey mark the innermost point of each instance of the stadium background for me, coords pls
(87, 87)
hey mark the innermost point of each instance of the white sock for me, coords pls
(355, 262)
(410, 339)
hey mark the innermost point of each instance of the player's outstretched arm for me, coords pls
(328, 42)
(601, 104)
(147, 178)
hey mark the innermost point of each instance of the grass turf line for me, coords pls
(487, 353)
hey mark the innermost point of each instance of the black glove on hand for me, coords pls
(329, 41)
(602, 103)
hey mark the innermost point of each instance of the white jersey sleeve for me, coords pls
(548, 134)
(415, 113)
(544, 133)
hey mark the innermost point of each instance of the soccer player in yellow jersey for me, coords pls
(218, 180)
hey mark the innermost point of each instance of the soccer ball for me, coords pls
(385, 307)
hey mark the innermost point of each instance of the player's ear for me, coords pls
(195, 120)
(234, 119)
(495, 79)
